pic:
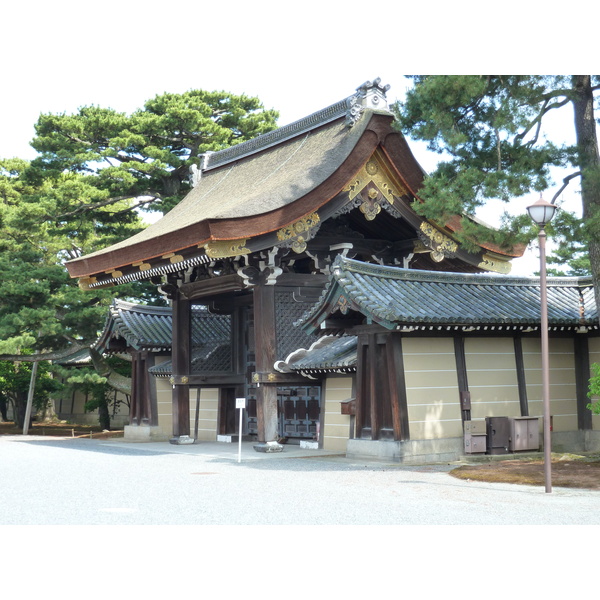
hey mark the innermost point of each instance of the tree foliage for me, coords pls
(594, 389)
(147, 155)
(489, 132)
(94, 170)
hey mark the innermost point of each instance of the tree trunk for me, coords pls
(20, 408)
(48, 413)
(104, 415)
(115, 380)
(589, 163)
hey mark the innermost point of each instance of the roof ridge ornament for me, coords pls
(371, 94)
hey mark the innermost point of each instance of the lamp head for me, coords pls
(541, 212)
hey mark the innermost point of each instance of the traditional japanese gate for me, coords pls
(298, 411)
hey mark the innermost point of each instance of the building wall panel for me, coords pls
(336, 426)
(431, 388)
(492, 377)
(563, 392)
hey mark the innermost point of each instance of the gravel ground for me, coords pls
(111, 482)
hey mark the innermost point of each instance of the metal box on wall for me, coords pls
(477, 426)
(498, 434)
(348, 407)
(524, 434)
(475, 443)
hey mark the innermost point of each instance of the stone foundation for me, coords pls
(452, 449)
(410, 452)
(575, 441)
(144, 433)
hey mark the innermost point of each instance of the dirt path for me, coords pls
(567, 470)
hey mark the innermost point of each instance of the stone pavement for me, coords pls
(48, 481)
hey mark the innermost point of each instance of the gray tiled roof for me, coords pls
(150, 327)
(328, 354)
(395, 297)
(209, 358)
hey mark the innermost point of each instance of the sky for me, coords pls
(60, 56)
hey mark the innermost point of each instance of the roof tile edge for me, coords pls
(369, 95)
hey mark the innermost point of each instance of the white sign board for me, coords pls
(241, 404)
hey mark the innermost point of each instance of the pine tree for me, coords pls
(95, 169)
(489, 132)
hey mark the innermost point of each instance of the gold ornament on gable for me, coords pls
(297, 234)
(226, 248)
(382, 189)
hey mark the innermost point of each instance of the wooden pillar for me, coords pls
(582, 377)
(371, 390)
(397, 387)
(363, 399)
(521, 381)
(135, 410)
(265, 355)
(181, 360)
(143, 390)
(463, 381)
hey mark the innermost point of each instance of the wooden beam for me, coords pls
(582, 377)
(461, 374)
(212, 287)
(372, 389)
(521, 379)
(181, 349)
(397, 387)
(265, 349)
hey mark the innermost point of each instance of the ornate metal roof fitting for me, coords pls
(371, 94)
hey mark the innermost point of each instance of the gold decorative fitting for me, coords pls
(176, 258)
(143, 266)
(299, 232)
(372, 168)
(489, 263)
(85, 282)
(168, 255)
(370, 209)
(343, 304)
(440, 243)
(264, 377)
(373, 172)
(184, 379)
(299, 245)
(226, 248)
(298, 227)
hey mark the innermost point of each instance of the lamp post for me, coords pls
(541, 212)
